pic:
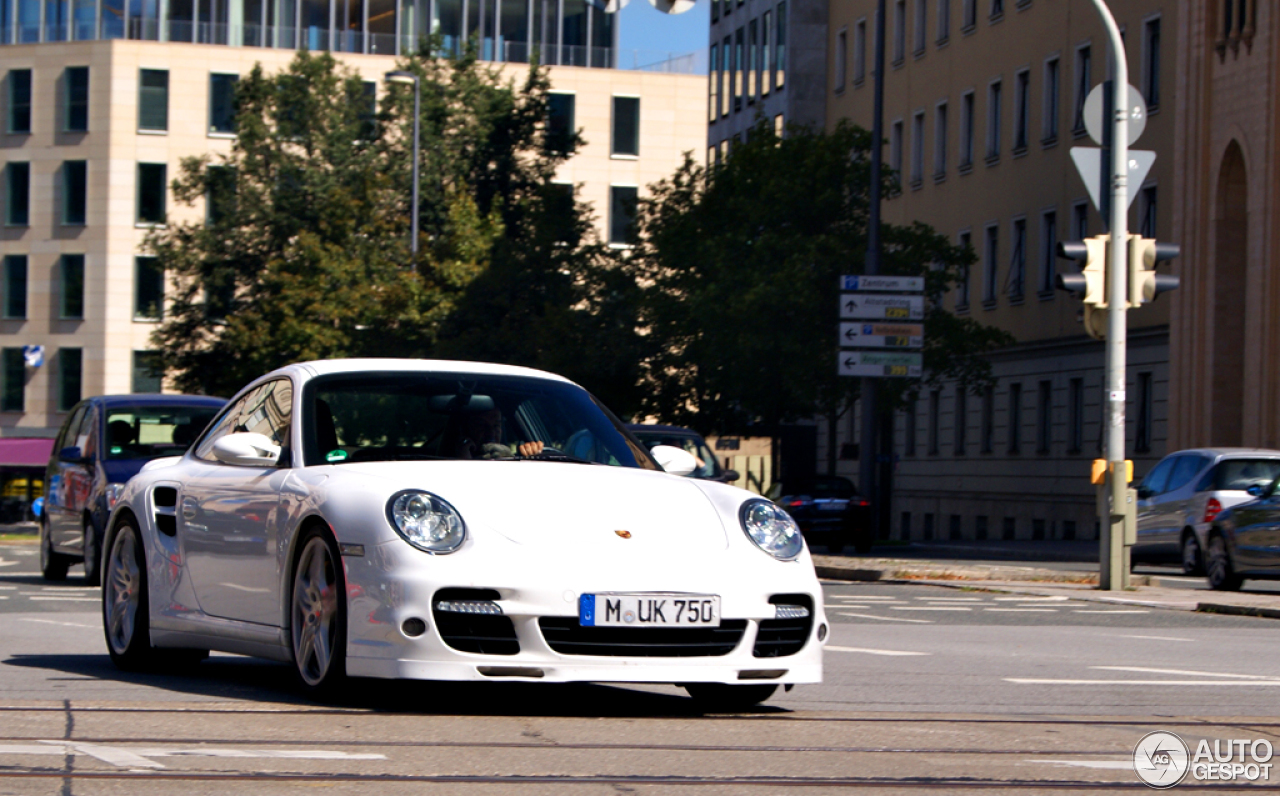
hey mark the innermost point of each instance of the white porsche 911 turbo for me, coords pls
(455, 521)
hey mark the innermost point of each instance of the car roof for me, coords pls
(157, 399)
(1232, 453)
(325, 367)
(662, 429)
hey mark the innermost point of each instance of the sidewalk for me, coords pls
(1031, 580)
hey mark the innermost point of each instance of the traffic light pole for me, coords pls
(867, 448)
(1114, 553)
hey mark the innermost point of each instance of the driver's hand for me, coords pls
(529, 448)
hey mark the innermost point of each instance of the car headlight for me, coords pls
(771, 528)
(112, 495)
(426, 521)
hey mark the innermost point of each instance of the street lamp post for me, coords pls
(403, 77)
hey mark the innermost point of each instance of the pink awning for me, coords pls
(25, 451)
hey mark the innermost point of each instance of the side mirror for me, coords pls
(1143, 493)
(1257, 490)
(729, 476)
(676, 461)
(71, 455)
(247, 448)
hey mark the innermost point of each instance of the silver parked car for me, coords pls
(1182, 495)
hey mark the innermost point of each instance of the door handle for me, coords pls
(190, 509)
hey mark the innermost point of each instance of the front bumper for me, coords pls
(393, 583)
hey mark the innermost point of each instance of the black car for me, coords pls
(689, 440)
(829, 511)
(1244, 541)
(104, 442)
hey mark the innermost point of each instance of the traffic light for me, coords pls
(1144, 283)
(1091, 282)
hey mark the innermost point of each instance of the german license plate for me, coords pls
(831, 506)
(649, 610)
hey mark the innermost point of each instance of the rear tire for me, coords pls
(318, 613)
(1221, 574)
(92, 556)
(1192, 559)
(724, 698)
(126, 616)
(53, 566)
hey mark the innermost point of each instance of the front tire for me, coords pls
(1192, 561)
(724, 698)
(126, 617)
(1221, 574)
(53, 566)
(318, 613)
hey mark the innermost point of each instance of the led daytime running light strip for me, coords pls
(485, 607)
(790, 612)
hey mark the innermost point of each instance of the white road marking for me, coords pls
(249, 589)
(833, 648)
(1039, 681)
(1024, 610)
(139, 758)
(7, 588)
(951, 599)
(4, 563)
(53, 622)
(1110, 765)
(888, 618)
(1087, 611)
(1031, 599)
(4, 596)
(62, 599)
(862, 597)
(930, 608)
(114, 755)
(1150, 670)
(69, 588)
(1159, 638)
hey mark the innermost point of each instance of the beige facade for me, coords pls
(672, 111)
(981, 112)
(1225, 383)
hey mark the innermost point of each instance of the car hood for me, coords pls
(555, 503)
(121, 470)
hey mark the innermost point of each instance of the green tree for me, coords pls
(740, 264)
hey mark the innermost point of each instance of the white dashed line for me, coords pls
(1158, 638)
(1150, 670)
(1024, 610)
(1087, 611)
(930, 608)
(873, 652)
(887, 618)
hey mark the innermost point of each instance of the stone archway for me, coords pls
(1231, 236)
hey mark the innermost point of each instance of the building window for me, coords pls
(1147, 206)
(713, 92)
(1084, 82)
(726, 76)
(1015, 418)
(955, 532)
(1021, 110)
(622, 213)
(895, 148)
(965, 242)
(71, 284)
(560, 121)
(780, 47)
(988, 443)
(19, 101)
(940, 141)
(921, 12)
(1142, 437)
(153, 100)
(994, 113)
(966, 130)
(15, 378)
(220, 198)
(151, 192)
(739, 67)
(860, 52)
(1048, 253)
(626, 126)
(961, 419)
(1018, 262)
(753, 60)
(969, 15)
(944, 21)
(1151, 63)
(1075, 416)
(980, 527)
(148, 373)
(1080, 220)
(997, 9)
(69, 378)
(917, 149)
(74, 192)
(909, 432)
(15, 286)
(935, 404)
(17, 194)
(990, 265)
(76, 111)
(766, 53)
(842, 54)
(779, 126)
(222, 103)
(899, 31)
(1051, 99)
(1044, 416)
(148, 289)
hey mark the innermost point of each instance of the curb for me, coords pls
(1238, 610)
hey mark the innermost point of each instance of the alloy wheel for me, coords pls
(123, 591)
(315, 612)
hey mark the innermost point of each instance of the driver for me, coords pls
(481, 438)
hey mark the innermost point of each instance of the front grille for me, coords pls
(483, 634)
(566, 636)
(779, 637)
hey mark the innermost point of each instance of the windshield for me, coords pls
(362, 417)
(693, 444)
(149, 432)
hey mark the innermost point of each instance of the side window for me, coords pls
(1157, 478)
(265, 410)
(1185, 470)
(68, 435)
(85, 437)
(1206, 482)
